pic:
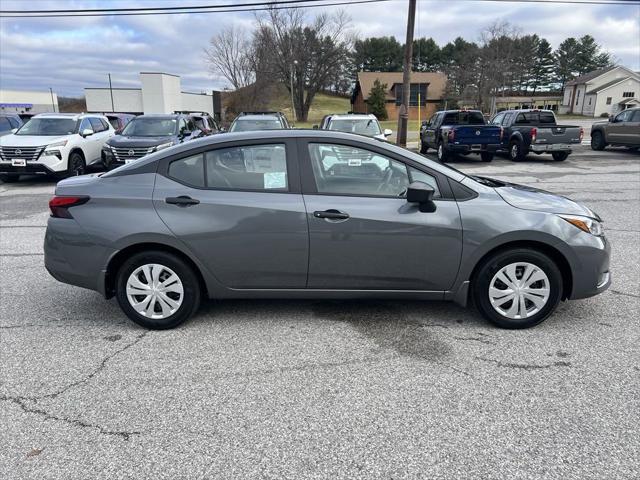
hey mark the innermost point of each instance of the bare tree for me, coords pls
(307, 58)
(230, 54)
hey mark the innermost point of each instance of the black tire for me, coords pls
(560, 156)
(442, 153)
(423, 147)
(486, 156)
(75, 166)
(597, 141)
(10, 177)
(516, 151)
(191, 289)
(488, 269)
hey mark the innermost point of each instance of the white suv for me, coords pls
(360, 123)
(59, 144)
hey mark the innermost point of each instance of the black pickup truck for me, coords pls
(536, 131)
(460, 131)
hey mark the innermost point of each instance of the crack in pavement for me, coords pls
(21, 401)
(21, 254)
(475, 339)
(618, 292)
(525, 366)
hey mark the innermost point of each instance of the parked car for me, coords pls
(205, 123)
(318, 214)
(621, 130)
(360, 123)
(60, 144)
(9, 123)
(119, 120)
(536, 131)
(460, 131)
(250, 121)
(146, 134)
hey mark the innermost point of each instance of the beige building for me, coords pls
(429, 87)
(605, 91)
(159, 93)
(26, 101)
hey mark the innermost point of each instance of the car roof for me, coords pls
(354, 116)
(167, 116)
(284, 134)
(260, 116)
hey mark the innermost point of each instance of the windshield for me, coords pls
(49, 127)
(363, 126)
(246, 125)
(151, 127)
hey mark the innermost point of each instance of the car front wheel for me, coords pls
(157, 290)
(517, 288)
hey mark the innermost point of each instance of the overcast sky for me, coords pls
(69, 54)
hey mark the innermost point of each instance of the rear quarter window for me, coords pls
(189, 170)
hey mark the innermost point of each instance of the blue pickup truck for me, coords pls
(460, 131)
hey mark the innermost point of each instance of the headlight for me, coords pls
(57, 144)
(585, 224)
(106, 146)
(161, 146)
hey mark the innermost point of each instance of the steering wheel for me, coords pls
(386, 179)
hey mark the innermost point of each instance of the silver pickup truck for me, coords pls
(536, 131)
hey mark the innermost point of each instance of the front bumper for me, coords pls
(591, 275)
(30, 168)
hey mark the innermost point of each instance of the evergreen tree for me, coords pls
(565, 55)
(426, 55)
(377, 54)
(377, 100)
(544, 67)
(590, 56)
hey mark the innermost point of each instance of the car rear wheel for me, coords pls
(517, 288)
(10, 178)
(443, 155)
(157, 290)
(560, 156)
(486, 156)
(516, 152)
(597, 141)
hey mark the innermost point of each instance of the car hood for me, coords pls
(529, 198)
(123, 141)
(30, 140)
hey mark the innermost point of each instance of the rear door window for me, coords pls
(248, 167)
(189, 170)
(96, 124)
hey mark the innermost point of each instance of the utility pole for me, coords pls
(111, 92)
(403, 115)
(53, 103)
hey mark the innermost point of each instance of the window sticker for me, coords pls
(275, 180)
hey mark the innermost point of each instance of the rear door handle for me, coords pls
(182, 201)
(331, 214)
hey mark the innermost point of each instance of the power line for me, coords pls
(254, 7)
(268, 6)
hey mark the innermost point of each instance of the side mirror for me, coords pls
(118, 132)
(422, 194)
(611, 118)
(387, 132)
(315, 127)
(86, 132)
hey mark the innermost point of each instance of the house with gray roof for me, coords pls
(605, 91)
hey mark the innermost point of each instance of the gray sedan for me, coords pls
(322, 215)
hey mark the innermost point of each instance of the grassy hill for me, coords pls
(323, 104)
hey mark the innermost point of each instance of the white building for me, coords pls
(602, 91)
(23, 101)
(159, 93)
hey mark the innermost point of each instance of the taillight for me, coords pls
(501, 133)
(451, 135)
(581, 133)
(59, 206)
(534, 134)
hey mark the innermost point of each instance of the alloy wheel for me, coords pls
(519, 290)
(155, 291)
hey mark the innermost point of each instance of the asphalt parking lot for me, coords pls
(306, 389)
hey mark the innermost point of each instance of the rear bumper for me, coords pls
(71, 257)
(474, 148)
(546, 148)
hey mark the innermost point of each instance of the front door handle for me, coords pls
(331, 214)
(182, 201)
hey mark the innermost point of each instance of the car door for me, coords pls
(430, 130)
(238, 209)
(634, 134)
(619, 130)
(362, 232)
(101, 133)
(90, 143)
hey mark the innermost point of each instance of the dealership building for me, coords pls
(159, 93)
(27, 101)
